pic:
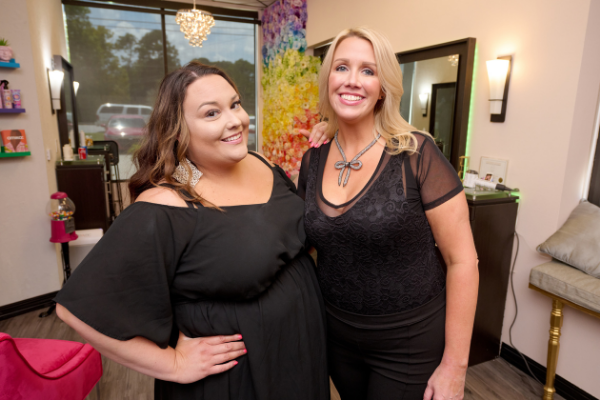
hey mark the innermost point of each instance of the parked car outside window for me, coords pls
(108, 110)
(126, 130)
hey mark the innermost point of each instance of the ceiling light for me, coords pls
(195, 24)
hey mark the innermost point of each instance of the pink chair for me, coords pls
(46, 369)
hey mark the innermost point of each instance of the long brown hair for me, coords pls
(167, 137)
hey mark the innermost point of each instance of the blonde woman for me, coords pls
(378, 198)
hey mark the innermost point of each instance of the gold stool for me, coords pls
(565, 285)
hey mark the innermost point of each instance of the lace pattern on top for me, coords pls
(376, 253)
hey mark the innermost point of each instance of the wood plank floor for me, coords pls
(493, 380)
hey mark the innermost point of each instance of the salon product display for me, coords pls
(14, 141)
(16, 98)
(83, 150)
(67, 152)
(472, 180)
(9, 98)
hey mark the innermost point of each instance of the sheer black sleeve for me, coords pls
(302, 177)
(122, 288)
(437, 180)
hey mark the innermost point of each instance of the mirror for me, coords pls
(437, 93)
(68, 129)
(429, 97)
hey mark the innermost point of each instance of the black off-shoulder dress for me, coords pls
(160, 269)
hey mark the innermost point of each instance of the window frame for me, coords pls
(164, 7)
(594, 188)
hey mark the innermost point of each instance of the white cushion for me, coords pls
(577, 242)
(567, 282)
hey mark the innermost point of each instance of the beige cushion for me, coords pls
(577, 242)
(568, 283)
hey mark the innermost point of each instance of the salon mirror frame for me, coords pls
(63, 123)
(465, 48)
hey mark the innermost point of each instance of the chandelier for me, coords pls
(453, 59)
(195, 24)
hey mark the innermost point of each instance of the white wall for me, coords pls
(28, 261)
(552, 103)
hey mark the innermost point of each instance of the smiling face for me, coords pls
(217, 123)
(353, 85)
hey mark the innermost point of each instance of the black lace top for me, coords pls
(376, 253)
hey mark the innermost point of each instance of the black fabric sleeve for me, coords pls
(286, 178)
(302, 177)
(122, 288)
(437, 180)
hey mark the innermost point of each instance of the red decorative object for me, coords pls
(46, 369)
(61, 210)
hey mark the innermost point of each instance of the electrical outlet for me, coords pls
(48, 155)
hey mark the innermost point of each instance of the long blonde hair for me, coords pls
(388, 121)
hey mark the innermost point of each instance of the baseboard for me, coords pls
(25, 306)
(563, 387)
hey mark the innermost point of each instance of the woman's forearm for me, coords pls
(462, 283)
(139, 354)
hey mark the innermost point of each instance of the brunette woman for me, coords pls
(378, 199)
(203, 282)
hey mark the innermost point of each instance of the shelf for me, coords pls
(9, 155)
(10, 64)
(12, 110)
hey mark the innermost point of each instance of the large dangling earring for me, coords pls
(181, 174)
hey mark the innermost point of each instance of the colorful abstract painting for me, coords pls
(290, 84)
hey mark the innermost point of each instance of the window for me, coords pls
(126, 123)
(119, 59)
(230, 46)
(594, 190)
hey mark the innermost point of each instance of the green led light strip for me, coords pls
(471, 110)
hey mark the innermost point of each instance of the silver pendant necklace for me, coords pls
(354, 164)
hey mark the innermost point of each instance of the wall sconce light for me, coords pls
(75, 87)
(499, 76)
(55, 77)
(424, 99)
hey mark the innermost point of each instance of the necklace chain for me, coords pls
(354, 164)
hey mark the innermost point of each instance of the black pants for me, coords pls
(385, 357)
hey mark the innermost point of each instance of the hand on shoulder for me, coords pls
(161, 195)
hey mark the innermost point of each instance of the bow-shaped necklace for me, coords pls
(354, 164)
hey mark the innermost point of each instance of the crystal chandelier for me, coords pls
(453, 59)
(195, 24)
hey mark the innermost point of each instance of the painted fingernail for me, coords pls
(239, 336)
(245, 350)
(236, 363)
(325, 142)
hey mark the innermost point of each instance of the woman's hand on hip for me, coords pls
(446, 383)
(197, 358)
(317, 136)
